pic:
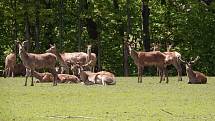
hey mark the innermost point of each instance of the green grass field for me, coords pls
(127, 100)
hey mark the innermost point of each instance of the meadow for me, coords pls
(127, 100)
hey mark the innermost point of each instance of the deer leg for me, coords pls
(5, 73)
(140, 74)
(26, 76)
(32, 81)
(179, 71)
(54, 73)
(8, 74)
(166, 75)
(161, 74)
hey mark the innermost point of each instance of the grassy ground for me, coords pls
(128, 100)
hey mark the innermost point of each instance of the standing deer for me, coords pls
(173, 59)
(195, 77)
(10, 62)
(154, 58)
(70, 59)
(34, 61)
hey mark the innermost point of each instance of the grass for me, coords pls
(128, 100)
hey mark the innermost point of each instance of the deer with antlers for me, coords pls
(34, 61)
(153, 58)
(194, 77)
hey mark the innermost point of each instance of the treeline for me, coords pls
(73, 24)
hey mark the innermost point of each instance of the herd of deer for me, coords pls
(79, 62)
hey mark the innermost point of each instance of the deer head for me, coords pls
(155, 46)
(189, 63)
(52, 49)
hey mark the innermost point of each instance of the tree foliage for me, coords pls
(189, 25)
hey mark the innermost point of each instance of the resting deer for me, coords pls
(195, 77)
(70, 59)
(154, 58)
(172, 58)
(10, 62)
(102, 77)
(34, 61)
(48, 77)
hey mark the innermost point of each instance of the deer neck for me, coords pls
(38, 75)
(89, 54)
(59, 56)
(134, 55)
(24, 56)
(190, 74)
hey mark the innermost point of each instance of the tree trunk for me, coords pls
(79, 26)
(61, 13)
(27, 27)
(14, 26)
(125, 48)
(37, 26)
(145, 17)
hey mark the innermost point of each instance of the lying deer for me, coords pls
(34, 61)
(70, 59)
(102, 77)
(153, 58)
(10, 62)
(195, 77)
(62, 78)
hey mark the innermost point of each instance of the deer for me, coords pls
(90, 78)
(10, 62)
(70, 59)
(195, 77)
(62, 78)
(173, 58)
(19, 69)
(34, 61)
(152, 58)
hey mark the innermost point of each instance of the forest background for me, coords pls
(106, 24)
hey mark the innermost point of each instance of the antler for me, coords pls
(182, 60)
(169, 47)
(197, 58)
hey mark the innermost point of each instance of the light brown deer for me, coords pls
(43, 77)
(71, 59)
(34, 61)
(172, 57)
(48, 77)
(194, 77)
(154, 58)
(10, 62)
(102, 77)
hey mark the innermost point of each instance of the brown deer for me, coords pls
(70, 59)
(102, 77)
(194, 77)
(10, 62)
(172, 57)
(153, 58)
(48, 77)
(34, 61)
(43, 77)
(19, 69)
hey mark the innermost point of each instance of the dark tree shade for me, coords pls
(208, 2)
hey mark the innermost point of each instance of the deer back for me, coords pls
(151, 58)
(10, 60)
(46, 60)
